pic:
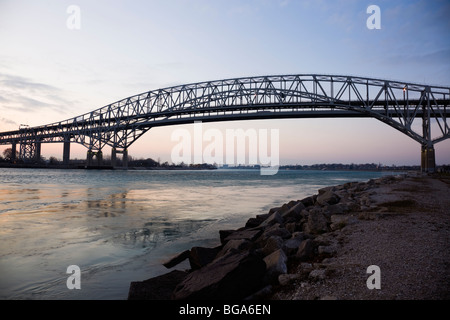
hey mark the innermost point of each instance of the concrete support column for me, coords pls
(114, 153)
(13, 152)
(125, 158)
(113, 157)
(66, 153)
(89, 158)
(99, 157)
(37, 151)
(428, 160)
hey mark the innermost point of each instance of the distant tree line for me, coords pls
(7, 156)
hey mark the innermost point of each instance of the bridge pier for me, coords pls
(428, 160)
(37, 152)
(98, 158)
(13, 152)
(66, 153)
(30, 151)
(113, 157)
(124, 153)
(89, 158)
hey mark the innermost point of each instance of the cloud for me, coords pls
(25, 95)
(8, 122)
(22, 83)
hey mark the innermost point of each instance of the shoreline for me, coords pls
(303, 249)
(405, 231)
(174, 168)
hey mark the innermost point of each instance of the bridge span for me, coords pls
(419, 111)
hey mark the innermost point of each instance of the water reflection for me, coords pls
(107, 222)
(111, 205)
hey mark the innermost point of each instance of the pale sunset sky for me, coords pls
(50, 72)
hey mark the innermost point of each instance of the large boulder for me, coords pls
(317, 222)
(157, 288)
(274, 230)
(328, 197)
(223, 234)
(294, 213)
(309, 201)
(245, 234)
(272, 244)
(291, 246)
(233, 276)
(172, 262)
(276, 264)
(254, 222)
(340, 221)
(306, 250)
(272, 219)
(200, 256)
(339, 208)
(234, 246)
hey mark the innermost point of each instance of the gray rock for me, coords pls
(177, 259)
(272, 244)
(293, 226)
(234, 246)
(327, 250)
(294, 214)
(291, 246)
(272, 219)
(233, 276)
(309, 201)
(276, 265)
(360, 186)
(306, 267)
(285, 279)
(317, 222)
(224, 234)
(326, 189)
(317, 274)
(200, 256)
(339, 221)
(339, 208)
(328, 198)
(157, 288)
(274, 230)
(306, 250)
(285, 207)
(272, 210)
(254, 222)
(246, 234)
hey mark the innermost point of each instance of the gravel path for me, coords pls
(405, 232)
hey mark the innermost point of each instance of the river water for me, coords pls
(119, 226)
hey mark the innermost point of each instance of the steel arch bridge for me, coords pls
(413, 109)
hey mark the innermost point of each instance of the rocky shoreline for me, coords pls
(276, 254)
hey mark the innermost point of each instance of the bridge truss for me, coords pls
(414, 109)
